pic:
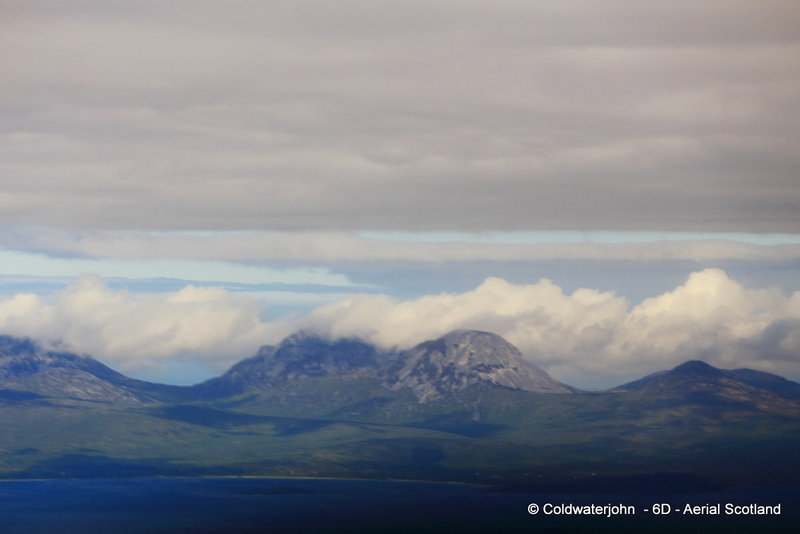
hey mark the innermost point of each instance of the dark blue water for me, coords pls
(354, 506)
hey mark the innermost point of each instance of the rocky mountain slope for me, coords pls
(462, 359)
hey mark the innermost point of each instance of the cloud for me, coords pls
(593, 337)
(715, 318)
(408, 115)
(536, 316)
(140, 333)
(587, 337)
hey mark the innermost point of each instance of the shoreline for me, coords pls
(250, 477)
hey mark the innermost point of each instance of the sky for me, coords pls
(612, 186)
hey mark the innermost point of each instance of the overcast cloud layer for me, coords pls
(434, 115)
(588, 338)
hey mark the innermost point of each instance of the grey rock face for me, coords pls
(464, 358)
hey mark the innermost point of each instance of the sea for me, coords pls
(278, 505)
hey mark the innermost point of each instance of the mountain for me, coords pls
(455, 362)
(26, 367)
(298, 356)
(700, 381)
(770, 382)
(463, 359)
(691, 371)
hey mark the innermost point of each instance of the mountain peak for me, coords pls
(464, 358)
(691, 373)
(697, 367)
(703, 382)
(475, 339)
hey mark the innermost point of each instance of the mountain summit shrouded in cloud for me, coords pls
(586, 337)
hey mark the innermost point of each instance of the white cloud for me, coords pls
(586, 338)
(536, 317)
(715, 318)
(592, 337)
(139, 333)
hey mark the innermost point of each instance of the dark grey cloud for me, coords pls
(408, 115)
